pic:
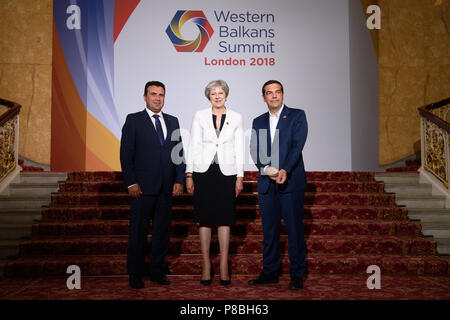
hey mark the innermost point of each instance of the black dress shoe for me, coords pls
(136, 282)
(225, 282)
(296, 284)
(206, 282)
(263, 279)
(160, 279)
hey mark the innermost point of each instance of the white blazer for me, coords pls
(204, 144)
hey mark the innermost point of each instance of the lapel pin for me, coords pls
(284, 117)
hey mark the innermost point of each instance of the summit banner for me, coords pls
(106, 50)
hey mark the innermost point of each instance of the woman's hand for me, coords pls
(239, 185)
(190, 185)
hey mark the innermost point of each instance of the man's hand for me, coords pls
(190, 185)
(239, 185)
(272, 173)
(282, 176)
(135, 191)
(177, 189)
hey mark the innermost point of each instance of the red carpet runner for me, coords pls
(350, 224)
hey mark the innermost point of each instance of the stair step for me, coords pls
(20, 215)
(179, 227)
(412, 168)
(445, 241)
(248, 176)
(403, 245)
(334, 212)
(328, 198)
(421, 201)
(33, 189)
(15, 231)
(190, 264)
(249, 186)
(9, 248)
(3, 263)
(24, 201)
(42, 177)
(443, 245)
(396, 177)
(408, 189)
(413, 162)
(439, 215)
(436, 229)
(340, 176)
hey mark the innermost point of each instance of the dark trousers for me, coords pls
(290, 205)
(159, 209)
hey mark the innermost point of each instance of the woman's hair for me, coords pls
(216, 83)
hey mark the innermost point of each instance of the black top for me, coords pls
(222, 121)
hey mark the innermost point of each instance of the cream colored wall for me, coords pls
(414, 69)
(26, 70)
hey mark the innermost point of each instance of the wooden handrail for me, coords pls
(438, 104)
(426, 113)
(14, 109)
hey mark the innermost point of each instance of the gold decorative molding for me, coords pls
(435, 139)
(8, 147)
(442, 112)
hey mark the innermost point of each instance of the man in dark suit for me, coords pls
(276, 145)
(151, 155)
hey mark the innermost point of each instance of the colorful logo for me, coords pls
(197, 17)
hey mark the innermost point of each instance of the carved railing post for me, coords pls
(9, 143)
(435, 130)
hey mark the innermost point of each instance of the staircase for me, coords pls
(22, 208)
(422, 206)
(350, 224)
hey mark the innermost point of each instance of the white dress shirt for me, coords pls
(161, 119)
(273, 122)
(163, 125)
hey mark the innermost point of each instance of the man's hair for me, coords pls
(271, 82)
(154, 83)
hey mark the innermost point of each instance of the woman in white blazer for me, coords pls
(214, 173)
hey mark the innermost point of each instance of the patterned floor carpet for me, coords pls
(316, 287)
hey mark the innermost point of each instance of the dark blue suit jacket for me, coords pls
(145, 161)
(287, 154)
